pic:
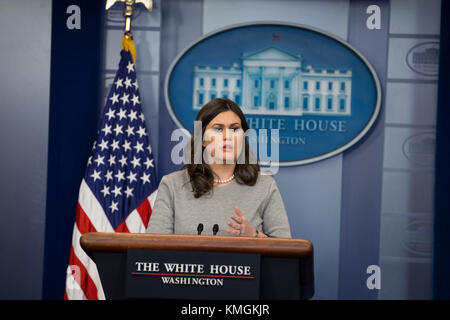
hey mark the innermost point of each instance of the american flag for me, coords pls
(119, 186)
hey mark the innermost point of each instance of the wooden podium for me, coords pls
(286, 269)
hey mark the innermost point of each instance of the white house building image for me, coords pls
(275, 82)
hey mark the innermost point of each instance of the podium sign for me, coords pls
(192, 275)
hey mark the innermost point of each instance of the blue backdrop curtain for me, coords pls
(441, 247)
(75, 97)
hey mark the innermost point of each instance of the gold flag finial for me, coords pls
(128, 13)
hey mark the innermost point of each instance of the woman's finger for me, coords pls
(234, 225)
(234, 232)
(237, 219)
(238, 212)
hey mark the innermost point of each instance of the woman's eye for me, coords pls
(233, 130)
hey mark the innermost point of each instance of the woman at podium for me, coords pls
(221, 190)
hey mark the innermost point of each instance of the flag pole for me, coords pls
(128, 12)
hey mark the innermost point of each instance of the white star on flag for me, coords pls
(139, 147)
(123, 161)
(135, 100)
(118, 130)
(118, 83)
(126, 146)
(130, 67)
(148, 163)
(108, 175)
(95, 175)
(103, 145)
(105, 191)
(115, 145)
(132, 116)
(127, 82)
(130, 131)
(117, 192)
(131, 177)
(122, 114)
(136, 162)
(120, 175)
(129, 192)
(141, 132)
(114, 98)
(145, 178)
(110, 114)
(125, 98)
(112, 160)
(99, 160)
(107, 129)
(113, 206)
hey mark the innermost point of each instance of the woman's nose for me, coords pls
(227, 135)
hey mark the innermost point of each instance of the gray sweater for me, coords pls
(176, 210)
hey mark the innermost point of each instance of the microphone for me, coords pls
(215, 229)
(199, 228)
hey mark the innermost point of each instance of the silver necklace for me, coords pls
(224, 180)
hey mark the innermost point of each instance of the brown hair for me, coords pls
(201, 175)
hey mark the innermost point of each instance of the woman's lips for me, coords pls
(227, 147)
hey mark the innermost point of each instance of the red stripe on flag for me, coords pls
(83, 278)
(83, 222)
(122, 228)
(145, 211)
